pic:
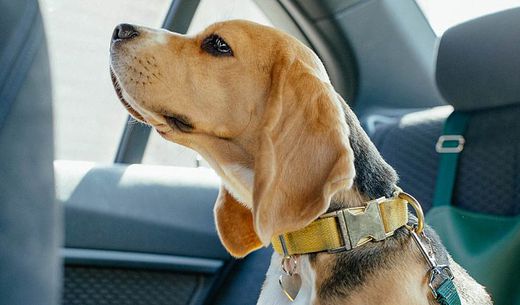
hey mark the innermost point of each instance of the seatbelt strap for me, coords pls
(449, 146)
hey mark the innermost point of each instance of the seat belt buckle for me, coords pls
(441, 148)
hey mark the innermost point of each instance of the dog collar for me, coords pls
(347, 228)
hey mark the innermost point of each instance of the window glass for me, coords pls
(158, 150)
(443, 14)
(89, 119)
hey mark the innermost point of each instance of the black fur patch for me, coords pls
(374, 177)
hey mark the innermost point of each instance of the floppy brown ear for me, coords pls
(235, 225)
(304, 153)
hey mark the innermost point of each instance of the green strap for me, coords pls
(449, 146)
(454, 129)
(447, 293)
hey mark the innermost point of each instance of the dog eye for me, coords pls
(181, 123)
(215, 45)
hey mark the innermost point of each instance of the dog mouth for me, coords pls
(173, 121)
(119, 93)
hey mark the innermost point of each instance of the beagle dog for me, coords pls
(258, 106)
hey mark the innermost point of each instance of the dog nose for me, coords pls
(124, 31)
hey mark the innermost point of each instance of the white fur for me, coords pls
(152, 37)
(239, 182)
(271, 291)
(160, 37)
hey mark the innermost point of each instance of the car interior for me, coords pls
(123, 231)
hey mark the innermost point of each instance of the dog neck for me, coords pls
(374, 177)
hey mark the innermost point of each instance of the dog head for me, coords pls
(257, 105)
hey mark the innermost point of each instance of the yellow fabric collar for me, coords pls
(346, 229)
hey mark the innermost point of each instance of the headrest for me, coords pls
(478, 62)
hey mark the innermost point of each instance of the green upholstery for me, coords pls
(487, 246)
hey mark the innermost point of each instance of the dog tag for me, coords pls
(290, 281)
(291, 285)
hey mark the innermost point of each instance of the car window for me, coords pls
(88, 119)
(159, 151)
(443, 14)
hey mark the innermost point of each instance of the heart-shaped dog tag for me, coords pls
(291, 285)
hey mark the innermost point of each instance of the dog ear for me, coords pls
(304, 154)
(235, 225)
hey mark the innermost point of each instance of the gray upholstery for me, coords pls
(408, 145)
(117, 286)
(29, 217)
(478, 67)
(393, 47)
(489, 174)
(488, 180)
(139, 208)
(478, 63)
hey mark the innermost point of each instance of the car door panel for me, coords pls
(141, 226)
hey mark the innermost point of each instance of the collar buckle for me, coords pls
(344, 234)
(360, 225)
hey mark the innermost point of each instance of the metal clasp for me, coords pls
(434, 269)
(360, 225)
(284, 246)
(440, 148)
(344, 234)
(416, 232)
(444, 271)
(416, 206)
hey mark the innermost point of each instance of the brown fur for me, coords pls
(302, 125)
(284, 143)
(234, 225)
